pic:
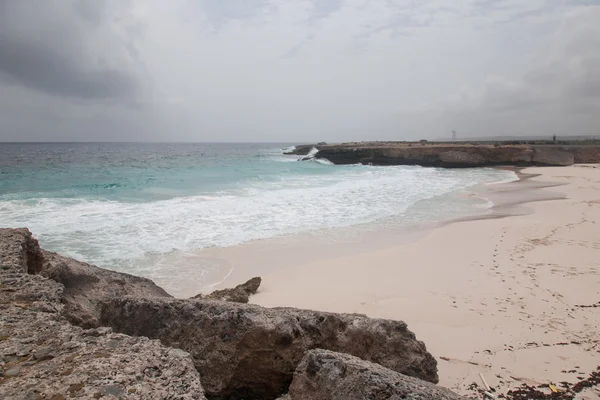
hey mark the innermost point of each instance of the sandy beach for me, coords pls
(514, 296)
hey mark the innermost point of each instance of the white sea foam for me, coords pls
(313, 152)
(322, 161)
(120, 233)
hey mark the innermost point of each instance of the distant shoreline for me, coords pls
(457, 155)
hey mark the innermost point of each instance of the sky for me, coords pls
(297, 70)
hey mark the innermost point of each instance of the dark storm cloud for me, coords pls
(296, 70)
(52, 47)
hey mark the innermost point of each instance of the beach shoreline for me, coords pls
(223, 267)
(510, 298)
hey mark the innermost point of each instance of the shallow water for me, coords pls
(129, 206)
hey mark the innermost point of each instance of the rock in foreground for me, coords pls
(239, 294)
(44, 356)
(251, 352)
(239, 351)
(325, 375)
(86, 284)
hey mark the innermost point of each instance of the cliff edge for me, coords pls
(454, 155)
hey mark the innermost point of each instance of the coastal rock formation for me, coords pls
(326, 375)
(239, 294)
(586, 154)
(19, 251)
(453, 155)
(237, 350)
(44, 356)
(247, 351)
(301, 150)
(461, 159)
(85, 285)
(552, 156)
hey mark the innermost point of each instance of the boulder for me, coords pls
(326, 375)
(461, 159)
(552, 157)
(247, 351)
(44, 356)
(239, 294)
(86, 284)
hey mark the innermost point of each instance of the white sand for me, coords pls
(496, 296)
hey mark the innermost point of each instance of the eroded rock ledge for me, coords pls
(454, 155)
(226, 349)
(248, 351)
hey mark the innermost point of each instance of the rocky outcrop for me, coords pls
(247, 351)
(239, 294)
(586, 154)
(456, 156)
(551, 156)
(238, 350)
(85, 285)
(19, 251)
(301, 150)
(44, 356)
(463, 159)
(325, 375)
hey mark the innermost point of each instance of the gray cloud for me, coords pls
(298, 70)
(60, 48)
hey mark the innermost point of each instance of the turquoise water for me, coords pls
(116, 204)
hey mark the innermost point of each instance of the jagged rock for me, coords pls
(20, 251)
(86, 284)
(239, 294)
(44, 356)
(552, 156)
(461, 159)
(325, 375)
(241, 351)
(251, 352)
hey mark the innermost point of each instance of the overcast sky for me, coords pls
(297, 70)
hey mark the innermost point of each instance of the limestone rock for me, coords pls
(524, 157)
(325, 375)
(19, 251)
(44, 356)
(86, 284)
(552, 156)
(239, 294)
(251, 352)
(461, 159)
(457, 155)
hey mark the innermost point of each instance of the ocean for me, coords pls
(125, 205)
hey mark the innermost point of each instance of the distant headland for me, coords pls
(458, 154)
